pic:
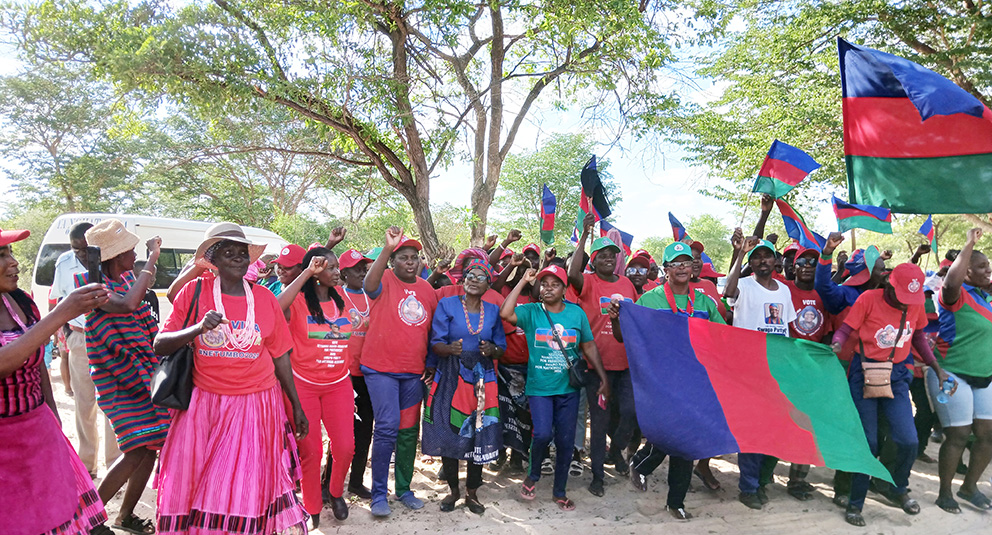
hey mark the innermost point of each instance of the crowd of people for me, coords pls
(493, 358)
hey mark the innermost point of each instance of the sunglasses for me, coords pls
(806, 262)
(472, 277)
(637, 271)
(683, 264)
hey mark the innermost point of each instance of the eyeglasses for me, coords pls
(472, 277)
(805, 262)
(637, 271)
(683, 264)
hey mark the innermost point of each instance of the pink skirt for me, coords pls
(45, 486)
(229, 465)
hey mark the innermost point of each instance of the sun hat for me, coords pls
(860, 265)
(112, 238)
(763, 243)
(554, 271)
(219, 232)
(675, 250)
(8, 237)
(907, 280)
(351, 258)
(290, 255)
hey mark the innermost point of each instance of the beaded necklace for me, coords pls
(482, 317)
(239, 339)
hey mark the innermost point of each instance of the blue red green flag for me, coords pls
(930, 232)
(696, 399)
(873, 218)
(548, 207)
(796, 228)
(627, 239)
(784, 167)
(592, 198)
(678, 231)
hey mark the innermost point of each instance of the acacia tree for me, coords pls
(394, 82)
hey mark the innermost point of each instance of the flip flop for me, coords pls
(711, 483)
(565, 504)
(138, 526)
(949, 504)
(977, 499)
(854, 518)
(526, 492)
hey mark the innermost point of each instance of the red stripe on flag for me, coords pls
(892, 128)
(844, 213)
(784, 171)
(757, 411)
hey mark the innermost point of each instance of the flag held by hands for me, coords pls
(784, 167)
(796, 228)
(873, 218)
(548, 206)
(930, 232)
(592, 198)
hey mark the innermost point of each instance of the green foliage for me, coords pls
(715, 236)
(656, 246)
(37, 220)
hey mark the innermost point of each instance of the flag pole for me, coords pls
(854, 242)
(747, 202)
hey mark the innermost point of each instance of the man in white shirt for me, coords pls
(79, 383)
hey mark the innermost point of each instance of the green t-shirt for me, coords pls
(547, 371)
(702, 306)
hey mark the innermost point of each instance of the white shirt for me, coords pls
(759, 309)
(66, 266)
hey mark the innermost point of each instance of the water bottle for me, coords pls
(945, 390)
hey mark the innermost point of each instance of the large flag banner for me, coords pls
(914, 141)
(930, 232)
(873, 218)
(592, 198)
(626, 239)
(711, 389)
(796, 228)
(548, 206)
(784, 167)
(678, 231)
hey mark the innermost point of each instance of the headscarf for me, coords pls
(474, 263)
(455, 272)
(614, 235)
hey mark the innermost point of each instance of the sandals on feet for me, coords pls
(527, 492)
(854, 518)
(575, 468)
(908, 504)
(709, 480)
(138, 526)
(565, 504)
(448, 503)
(800, 490)
(977, 499)
(475, 505)
(948, 504)
(101, 529)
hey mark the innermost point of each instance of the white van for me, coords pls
(179, 241)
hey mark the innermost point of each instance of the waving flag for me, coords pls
(914, 141)
(678, 231)
(696, 399)
(873, 218)
(785, 166)
(930, 232)
(627, 239)
(592, 198)
(796, 228)
(548, 206)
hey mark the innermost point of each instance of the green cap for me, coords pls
(675, 250)
(604, 243)
(763, 243)
(374, 253)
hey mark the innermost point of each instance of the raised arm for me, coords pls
(958, 272)
(289, 293)
(335, 237)
(513, 236)
(516, 261)
(766, 204)
(373, 279)
(507, 311)
(190, 272)
(741, 247)
(130, 301)
(575, 267)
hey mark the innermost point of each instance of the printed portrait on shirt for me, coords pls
(411, 311)
(808, 321)
(773, 313)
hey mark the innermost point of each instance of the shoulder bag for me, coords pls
(172, 383)
(578, 367)
(878, 374)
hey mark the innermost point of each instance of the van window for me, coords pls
(170, 264)
(45, 267)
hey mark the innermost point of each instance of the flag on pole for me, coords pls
(873, 218)
(914, 141)
(592, 198)
(678, 231)
(548, 206)
(695, 399)
(627, 239)
(796, 228)
(930, 232)
(784, 167)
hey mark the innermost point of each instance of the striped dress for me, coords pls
(122, 362)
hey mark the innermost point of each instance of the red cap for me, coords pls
(643, 260)
(794, 246)
(697, 246)
(8, 237)
(800, 250)
(532, 247)
(907, 279)
(709, 272)
(556, 271)
(946, 263)
(408, 242)
(351, 258)
(506, 252)
(314, 245)
(291, 255)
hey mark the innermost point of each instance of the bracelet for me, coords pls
(152, 273)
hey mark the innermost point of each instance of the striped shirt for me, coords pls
(965, 335)
(20, 392)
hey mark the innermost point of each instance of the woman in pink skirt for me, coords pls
(45, 486)
(229, 463)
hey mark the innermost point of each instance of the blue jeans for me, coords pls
(750, 467)
(553, 417)
(898, 411)
(621, 393)
(396, 401)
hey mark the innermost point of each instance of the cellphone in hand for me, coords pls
(602, 402)
(93, 264)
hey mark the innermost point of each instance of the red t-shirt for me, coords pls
(220, 368)
(651, 284)
(320, 350)
(877, 323)
(712, 292)
(812, 320)
(516, 341)
(357, 305)
(399, 326)
(594, 300)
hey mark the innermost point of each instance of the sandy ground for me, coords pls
(626, 511)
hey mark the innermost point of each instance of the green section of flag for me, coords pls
(827, 409)
(579, 217)
(775, 188)
(865, 222)
(946, 185)
(548, 236)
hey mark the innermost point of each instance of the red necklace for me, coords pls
(482, 317)
(670, 295)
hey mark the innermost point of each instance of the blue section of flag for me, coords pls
(870, 73)
(548, 202)
(793, 156)
(661, 375)
(879, 213)
(796, 228)
(678, 231)
(928, 230)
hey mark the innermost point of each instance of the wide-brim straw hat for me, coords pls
(226, 232)
(112, 238)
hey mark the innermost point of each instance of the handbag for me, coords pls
(578, 367)
(172, 382)
(878, 375)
